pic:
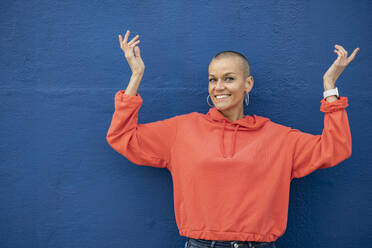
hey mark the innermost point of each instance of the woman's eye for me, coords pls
(227, 79)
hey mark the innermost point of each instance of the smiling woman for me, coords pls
(213, 157)
(229, 82)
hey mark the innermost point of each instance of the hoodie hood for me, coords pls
(248, 123)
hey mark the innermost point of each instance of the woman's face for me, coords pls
(227, 85)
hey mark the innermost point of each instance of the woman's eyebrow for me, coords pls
(224, 74)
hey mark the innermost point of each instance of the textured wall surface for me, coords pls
(62, 185)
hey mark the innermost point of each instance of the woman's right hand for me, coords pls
(135, 62)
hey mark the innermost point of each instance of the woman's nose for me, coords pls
(219, 84)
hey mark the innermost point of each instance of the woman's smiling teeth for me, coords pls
(222, 96)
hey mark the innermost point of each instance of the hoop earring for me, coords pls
(208, 101)
(246, 98)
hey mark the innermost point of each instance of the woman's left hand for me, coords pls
(335, 70)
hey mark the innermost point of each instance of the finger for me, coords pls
(137, 52)
(352, 56)
(342, 54)
(126, 37)
(135, 43)
(343, 51)
(339, 56)
(338, 53)
(133, 40)
(120, 40)
(338, 48)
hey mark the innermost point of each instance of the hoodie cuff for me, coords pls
(339, 104)
(122, 99)
(120, 96)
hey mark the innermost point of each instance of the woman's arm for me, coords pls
(311, 152)
(143, 144)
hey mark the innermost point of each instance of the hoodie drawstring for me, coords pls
(234, 140)
(222, 145)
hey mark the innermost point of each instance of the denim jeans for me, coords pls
(202, 243)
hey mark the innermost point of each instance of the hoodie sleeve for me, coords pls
(143, 144)
(311, 152)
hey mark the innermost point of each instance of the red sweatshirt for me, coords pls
(231, 180)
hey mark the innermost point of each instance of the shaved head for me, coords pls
(245, 66)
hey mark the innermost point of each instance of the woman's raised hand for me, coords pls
(135, 62)
(335, 70)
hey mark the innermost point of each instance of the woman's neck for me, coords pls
(233, 115)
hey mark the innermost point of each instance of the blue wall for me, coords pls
(62, 185)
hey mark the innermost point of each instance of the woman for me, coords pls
(231, 172)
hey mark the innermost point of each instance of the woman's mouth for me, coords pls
(222, 97)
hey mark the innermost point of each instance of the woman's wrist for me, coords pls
(133, 85)
(328, 86)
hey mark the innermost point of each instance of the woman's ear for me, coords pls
(249, 81)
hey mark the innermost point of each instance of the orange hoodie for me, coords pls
(231, 180)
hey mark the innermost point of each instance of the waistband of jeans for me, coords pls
(225, 243)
